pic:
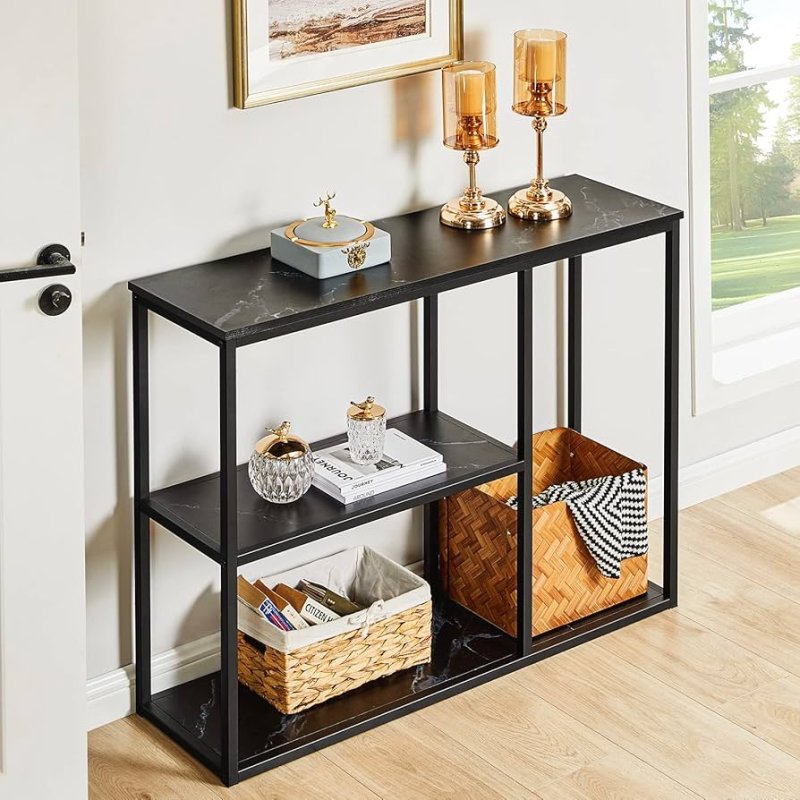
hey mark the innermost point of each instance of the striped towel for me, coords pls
(609, 513)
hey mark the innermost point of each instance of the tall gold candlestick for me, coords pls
(470, 125)
(540, 92)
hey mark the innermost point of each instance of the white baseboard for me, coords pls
(111, 696)
(728, 471)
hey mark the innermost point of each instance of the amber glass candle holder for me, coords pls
(540, 90)
(469, 96)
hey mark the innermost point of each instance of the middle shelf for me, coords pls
(191, 510)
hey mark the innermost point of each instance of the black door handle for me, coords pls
(52, 261)
(55, 299)
(54, 255)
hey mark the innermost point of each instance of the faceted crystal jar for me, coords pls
(366, 431)
(282, 466)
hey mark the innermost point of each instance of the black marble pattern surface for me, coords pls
(462, 645)
(249, 296)
(265, 528)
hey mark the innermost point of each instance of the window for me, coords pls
(745, 111)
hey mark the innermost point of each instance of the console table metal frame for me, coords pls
(228, 555)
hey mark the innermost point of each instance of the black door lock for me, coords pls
(55, 299)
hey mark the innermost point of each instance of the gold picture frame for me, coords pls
(246, 97)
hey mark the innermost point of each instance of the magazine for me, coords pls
(404, 459)
(403, 478)
(400, 452)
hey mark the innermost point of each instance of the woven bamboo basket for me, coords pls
(298, 680)
(299, 669)
(478, 542)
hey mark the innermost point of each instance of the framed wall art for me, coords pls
(293, 48)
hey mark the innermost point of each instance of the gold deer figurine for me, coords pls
(329, 210)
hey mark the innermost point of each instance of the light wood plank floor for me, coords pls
(702, 701)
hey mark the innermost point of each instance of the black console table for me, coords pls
(248, 298)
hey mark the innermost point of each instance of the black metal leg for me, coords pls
(525, 451)
(430, 363)
(141, 490)
(671, 408)
(229, 702)
(430, 389)
(574, 342)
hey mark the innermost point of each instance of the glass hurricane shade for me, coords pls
(469, 98)
(540, 72)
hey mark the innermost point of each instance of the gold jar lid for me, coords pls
(329, 230)
(280, 444)
(366, 410)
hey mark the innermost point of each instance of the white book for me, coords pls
(401, 453)
(402, 479)
(394, 480)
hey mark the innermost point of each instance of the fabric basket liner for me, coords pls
(362, 574)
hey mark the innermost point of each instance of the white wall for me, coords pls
(172, 175)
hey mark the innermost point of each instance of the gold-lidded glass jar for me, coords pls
(282, 466)
(540, 91)
(469, 119)
(366, 431)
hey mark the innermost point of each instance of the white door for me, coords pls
(42, 616)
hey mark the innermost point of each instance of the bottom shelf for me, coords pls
(467, 651)
(548, 644)
(463, 645)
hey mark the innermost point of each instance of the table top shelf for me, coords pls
(248, 297)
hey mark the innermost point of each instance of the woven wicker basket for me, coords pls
(294, 681)
(295, 678)
(478, 542)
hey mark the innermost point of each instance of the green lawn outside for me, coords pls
(755, 262)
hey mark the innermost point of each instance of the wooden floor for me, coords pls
(702, 701)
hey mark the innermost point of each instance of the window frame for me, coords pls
(707, 392)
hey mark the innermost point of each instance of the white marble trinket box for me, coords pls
(324, 247)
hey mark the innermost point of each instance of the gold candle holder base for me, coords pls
(458, 214)
(528, 204)
(472, 211)
(539, 202)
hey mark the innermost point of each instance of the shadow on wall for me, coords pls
(110, 543)
(206, 608)
(474, 45)
(413, 124)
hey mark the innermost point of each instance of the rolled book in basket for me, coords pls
(294, 670)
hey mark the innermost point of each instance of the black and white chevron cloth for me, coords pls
(609, 513)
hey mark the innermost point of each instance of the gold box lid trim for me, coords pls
(355, 231)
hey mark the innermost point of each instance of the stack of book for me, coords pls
(405, 460)
(291, 609)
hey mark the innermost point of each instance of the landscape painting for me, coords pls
(283, 49)
(305, 27)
